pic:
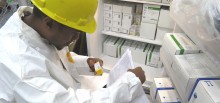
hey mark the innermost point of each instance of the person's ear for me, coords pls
(48, 22)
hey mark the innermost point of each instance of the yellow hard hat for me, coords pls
(77, 14)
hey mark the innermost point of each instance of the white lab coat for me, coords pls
(31, 71)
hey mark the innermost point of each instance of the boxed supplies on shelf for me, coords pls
(126, 23)
(188, 69)
(108, 14)
(111, 46)
(108, 6)
(159, 1)
(153, 57)
(178, 44)
(150, 13)
(206, 91)
(128, 8)
(140, 53)
(168, 96)
(160, 84)
(148, 30)
(126, 45)
(165, 20)
(116, 7)
(167, 1)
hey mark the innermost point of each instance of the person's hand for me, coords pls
(92, 61)
(139, 73)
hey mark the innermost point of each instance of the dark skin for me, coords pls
(60, 36)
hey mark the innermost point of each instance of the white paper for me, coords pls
(121, 67)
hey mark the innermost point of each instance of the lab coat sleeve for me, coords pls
(47, 90)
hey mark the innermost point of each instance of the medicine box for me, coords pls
(168, 96)
(150, 13)
(153, 57)
(148, 30)
(206, 91)
(160, 84)
(188, 69)
(165, 20)
(140, 53)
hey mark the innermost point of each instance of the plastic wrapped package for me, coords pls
(200, 20)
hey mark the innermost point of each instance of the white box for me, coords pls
(108, 22)
(140, 53)
(108, 7)
(168, 96)
(206, 91)
(161, 32)
(165, 20)
(116, 29)
(116, 24)
(166, 60)
(167, 1)
(153, 57)
(111, 46)
(117, 16)
(178, 43)
(148, 30)
(117, 8)
(158, 1)
(108, 14)
(127, 21)
(150, 13)
(125, 30)
(107, 28)
(125, 46)
(189, 68)
(128, 9)
(160, 84)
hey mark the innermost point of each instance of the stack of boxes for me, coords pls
(188, 70)
(117, 18)
(108, 15)
(165, 24)
(149, 21)
(127, 17)
(162, 91)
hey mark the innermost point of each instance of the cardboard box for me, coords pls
(127, 21)
(108, 7)
(188, 69)
(148, 30)
(125, 46)
(153, 57)
(111, 46)
(107, 28)
(117, 16)
(160, 84)
(206, 91)
(108, 14)
(125, 30)
(116, 29)
(140, 53)
(165, 20)
(116, 24)
(150, 13)
(168, 96)
(161, 33)
(108, 22)
(117, 8)
(128, 8)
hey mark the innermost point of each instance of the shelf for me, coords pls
(131, 37)
(150, 72)
(147, 2)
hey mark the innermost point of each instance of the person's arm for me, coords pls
(47, 90)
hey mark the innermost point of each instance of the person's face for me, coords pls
(61, 35)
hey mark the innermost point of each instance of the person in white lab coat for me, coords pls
(34, 67)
